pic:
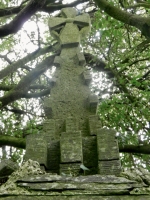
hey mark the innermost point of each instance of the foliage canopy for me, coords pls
(117, 52)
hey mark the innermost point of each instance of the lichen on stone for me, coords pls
(27, 169)
(140, 175)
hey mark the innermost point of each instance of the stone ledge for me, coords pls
(84, 197)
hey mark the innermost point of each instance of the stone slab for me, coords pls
(109, 167)
(93, 187)
(79, 197)
(80, 179)
(71, 147)
(71, 169)
(36, 149)
(94, 124)
(107, 144)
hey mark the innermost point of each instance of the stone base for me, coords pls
(80, 197)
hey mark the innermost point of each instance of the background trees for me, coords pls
(117, 52)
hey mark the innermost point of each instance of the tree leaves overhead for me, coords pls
(117, 52)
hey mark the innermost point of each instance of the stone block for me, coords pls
(71, 12)
(47, 108)
(83, 126)
(59, 127)
(49, 130)
(93, 101)
(94, 124)
(72, 124)
(71, 147)
(110, 167)
(72, 169)
(90, 157)
(87, 77)
(49, 125)
(69, 36)
(7, 167)
(82, 20)
(81, 58)
(53, 156)
(55, 23)
(57, 61)
(36, 149)
(107, 144)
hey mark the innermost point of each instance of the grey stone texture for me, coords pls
(72, 139)
(69, 97)
(72, 133)
(31, 181)
(71, 147)
(7, 167)
(36, 148)
(83, 197)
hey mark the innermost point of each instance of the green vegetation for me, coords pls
(117, 51)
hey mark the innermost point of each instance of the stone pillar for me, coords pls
(70, 94)
(36, 149)
(72, 133)
(71, 152)
(108, 152)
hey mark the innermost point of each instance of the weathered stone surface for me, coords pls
(36, 149)
(72, 124)
(69, 97)
(107, 150)
(87, 77)
(71, 108)
(71, 169)
(83, 197)
(7, 167)
(93, 101)
(29, 180)
(94, 124)
(28, 168)
(96, 184)
(53, 156)
(100, 179)
(90, 157)
(71, 147)
(140, 175)
(92, 187)
(109, 167)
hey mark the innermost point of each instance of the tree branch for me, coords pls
(98, 65)
(23, 86)
(38, 94)
(12, 141)
(143, 149)
(14, 66)
(142, 23)
(10, 11)
(31, 8)
(57, 6)
(10, 87)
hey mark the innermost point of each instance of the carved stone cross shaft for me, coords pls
(70, 95)
(72, 134)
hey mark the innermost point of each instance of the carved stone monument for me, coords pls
(72, 140)
(72, 134)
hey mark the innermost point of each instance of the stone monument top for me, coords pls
(70, 95)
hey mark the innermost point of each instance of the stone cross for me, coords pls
(70, 97)
(72, 134)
